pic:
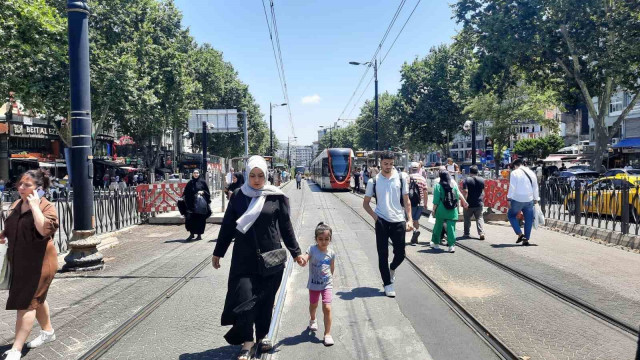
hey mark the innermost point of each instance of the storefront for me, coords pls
(627, 152)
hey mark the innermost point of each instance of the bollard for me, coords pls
(578, 201)
(625, 208)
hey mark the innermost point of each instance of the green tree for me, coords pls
(528, 148)
(432, 97)
(589, 45)
(522, 104)
(341, 137)
(388, 132)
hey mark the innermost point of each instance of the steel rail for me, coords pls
(493, 342)
(574, 301)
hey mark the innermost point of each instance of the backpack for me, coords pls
(414, 193)
(401, 188)
(449, 199)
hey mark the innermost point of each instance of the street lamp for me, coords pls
(375, 75)
(271, 106)
(330, 136)
(471, 125)
(288, 153)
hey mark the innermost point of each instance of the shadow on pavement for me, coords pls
(305, 336)
(361, 292)
(434, 251)
(127, 277)
(510, 245)
(224, 352)
(25, 349)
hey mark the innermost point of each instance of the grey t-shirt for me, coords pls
(320, 276)
(388, 196)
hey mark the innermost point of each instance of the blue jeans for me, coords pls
(527, 211)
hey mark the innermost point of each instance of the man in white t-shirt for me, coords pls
(522, 196)
(390, 217)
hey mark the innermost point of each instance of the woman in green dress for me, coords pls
(445, 207)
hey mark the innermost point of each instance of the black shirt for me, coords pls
(273, 224)
(475, 187)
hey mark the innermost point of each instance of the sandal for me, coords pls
(244, 355)
(265, 345)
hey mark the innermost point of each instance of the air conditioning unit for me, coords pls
(615, 141)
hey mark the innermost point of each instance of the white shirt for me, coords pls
(388, 196)
(522, 189)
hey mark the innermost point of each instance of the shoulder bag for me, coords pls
(269, 262)
(5, 269)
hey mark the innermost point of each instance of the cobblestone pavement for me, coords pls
(529, 321)
(87, 306)
(187, 326)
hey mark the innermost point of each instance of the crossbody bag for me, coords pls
(269, 262)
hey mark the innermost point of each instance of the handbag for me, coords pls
(538, 217)
(5, 269)
(201, 207)
(182, 206)
(269, 262)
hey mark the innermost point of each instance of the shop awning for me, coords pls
(51, 165)
(553, 158)
(628, 143)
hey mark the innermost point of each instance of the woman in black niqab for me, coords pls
(195, 222)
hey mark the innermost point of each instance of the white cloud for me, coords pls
(311, 99)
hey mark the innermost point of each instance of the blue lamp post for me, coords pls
(83, 252)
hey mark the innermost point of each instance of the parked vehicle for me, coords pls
(175, 179)
(604, 197)
(621, 172)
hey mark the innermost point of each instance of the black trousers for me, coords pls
(298, 184)
(384, 231)
(357, 185)
(255, 296)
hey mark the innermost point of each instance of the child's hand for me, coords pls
(301, 260)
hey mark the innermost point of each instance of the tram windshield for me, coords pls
(340, 164)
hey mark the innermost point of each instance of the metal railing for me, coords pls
(113, 210)
(613, 205)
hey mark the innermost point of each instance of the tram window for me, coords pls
(325, 167)
(340, 164)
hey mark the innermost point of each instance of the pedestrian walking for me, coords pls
(237, 182)
(453, 169)
(365, 176)
(522, 196)
(29, 228)
(391, 190)
(473, 191)
(322, 263)
(356, 180)
(198, 211)
(257, 217)
(105, 180)
(299, 180)
(445, 207)
(418, 197)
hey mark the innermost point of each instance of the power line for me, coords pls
(378, 48)
(272, 26)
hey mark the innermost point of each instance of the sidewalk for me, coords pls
(87, 306)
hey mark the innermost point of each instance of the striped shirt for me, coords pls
(422, 185)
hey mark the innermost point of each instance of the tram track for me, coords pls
(499, 348)
(111, 339)
(553, 291)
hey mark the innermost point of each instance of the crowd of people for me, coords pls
(117, 182)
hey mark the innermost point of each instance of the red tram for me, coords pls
(332, 168)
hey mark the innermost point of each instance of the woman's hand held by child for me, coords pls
(301, 260)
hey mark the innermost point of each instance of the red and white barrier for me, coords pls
(159, 197)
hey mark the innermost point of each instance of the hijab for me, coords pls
(258, 196)
(239, 181)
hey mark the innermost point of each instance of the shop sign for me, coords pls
(630, 150)
(104, 137)
(37, 132)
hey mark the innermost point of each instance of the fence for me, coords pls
(611, 204)
(113, 210)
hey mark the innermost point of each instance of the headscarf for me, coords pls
(239, 181)
(258, 196)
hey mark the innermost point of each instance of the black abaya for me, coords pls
(195, 223)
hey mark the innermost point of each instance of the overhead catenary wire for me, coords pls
(274, 37)
(382, 60)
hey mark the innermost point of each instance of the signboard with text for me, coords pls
(33, 131)
(218, 121)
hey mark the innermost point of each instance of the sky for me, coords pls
(317, 41)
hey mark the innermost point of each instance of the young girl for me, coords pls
(322, 261)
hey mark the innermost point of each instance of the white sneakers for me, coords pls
(388, 290)
(328, 340)
(393, 275)
(12, 354)
(43, 338)
(452, 249)
(313, 325)
(436, 246)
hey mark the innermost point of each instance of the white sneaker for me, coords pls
(452, 249)
(436, 246)
(328, 340)
(12, 354)
(313, 325)
(43, 338)
(393, 275)
(388, 290)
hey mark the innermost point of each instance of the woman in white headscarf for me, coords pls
(257, 217)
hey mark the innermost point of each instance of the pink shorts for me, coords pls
(314, 296)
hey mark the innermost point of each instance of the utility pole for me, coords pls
(83, 251)
(474, 130)
(271, 133)
(246, 135)
(203, 172)
(375, 74)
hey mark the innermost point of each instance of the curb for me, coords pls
(604, 235)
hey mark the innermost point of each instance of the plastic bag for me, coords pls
(431, 219)
(538, 216)
(201, 207)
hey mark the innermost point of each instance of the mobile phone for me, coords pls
(40, 193)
